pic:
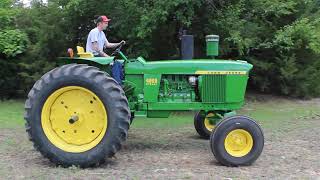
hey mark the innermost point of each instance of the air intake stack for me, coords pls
(212, 45)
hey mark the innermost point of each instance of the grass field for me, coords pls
(267, 111)
(164, 148)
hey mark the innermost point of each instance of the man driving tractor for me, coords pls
(97, 39)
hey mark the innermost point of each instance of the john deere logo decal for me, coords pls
(222, 72)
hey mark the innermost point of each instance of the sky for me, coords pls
(27, 2)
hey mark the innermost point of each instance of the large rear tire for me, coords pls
(77, 115)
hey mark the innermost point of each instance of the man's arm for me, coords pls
(113, 45)
(95, 47)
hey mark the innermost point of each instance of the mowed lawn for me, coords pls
(267, 110)
(11, 114)
(164, 148)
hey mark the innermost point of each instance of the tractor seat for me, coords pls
(83, 54)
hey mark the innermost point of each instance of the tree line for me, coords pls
(281, 38)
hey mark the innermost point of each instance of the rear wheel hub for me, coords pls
(74, 119)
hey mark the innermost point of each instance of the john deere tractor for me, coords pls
(79, 113)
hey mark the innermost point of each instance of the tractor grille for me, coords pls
(213, 88)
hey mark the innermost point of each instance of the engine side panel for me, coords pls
(155, 89)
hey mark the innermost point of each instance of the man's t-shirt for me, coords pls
(96, 36)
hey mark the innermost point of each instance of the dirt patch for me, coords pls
(169, 154)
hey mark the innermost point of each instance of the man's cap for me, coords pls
(102, 19)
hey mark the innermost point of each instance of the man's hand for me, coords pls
(122, 42)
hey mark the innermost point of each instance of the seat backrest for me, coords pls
(82, 53)
(80, 49)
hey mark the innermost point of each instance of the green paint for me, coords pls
(139, 66)
(194, 106)
(158, 114)
(151, 87)
(123, 56)
(171, 90)
(235, 88)
(98, 60)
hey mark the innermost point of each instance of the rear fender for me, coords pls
(103, 63)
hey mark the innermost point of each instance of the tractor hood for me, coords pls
(195, 66)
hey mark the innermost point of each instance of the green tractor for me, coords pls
(79, 113)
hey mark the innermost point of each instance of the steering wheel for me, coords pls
(116, 51)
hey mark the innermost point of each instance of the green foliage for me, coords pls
(13, 42)
(21, 56)
(280, 38)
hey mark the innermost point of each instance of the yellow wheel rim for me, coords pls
(238, 143)
(209, 126)
(74, 119)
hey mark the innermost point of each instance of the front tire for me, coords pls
(77, 115)
(236, 141)
(203, 125)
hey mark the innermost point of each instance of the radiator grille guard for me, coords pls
(223, 88)
(213, 88)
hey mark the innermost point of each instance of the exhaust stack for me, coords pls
(187, 46)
